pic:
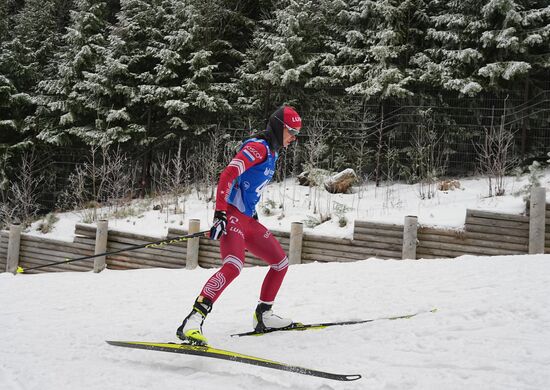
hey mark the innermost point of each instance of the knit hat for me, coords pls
(285, 115)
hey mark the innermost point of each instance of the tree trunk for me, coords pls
(145, 182)
(379, 146)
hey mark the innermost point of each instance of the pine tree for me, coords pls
(516, 40)
(4, 26)
(125, 89)
(451, 57)
(288, 57)
(381, 39)
(27, 57)
(535, 38)
(37, 27)
(500, 44)
(167, 71)
(68, 109)
(15, 107)
(477, 46)
(204, 38)
(18, 75)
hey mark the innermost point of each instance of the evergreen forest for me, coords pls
(125, 98)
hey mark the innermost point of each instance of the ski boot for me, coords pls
(190, 331)
(264, 319)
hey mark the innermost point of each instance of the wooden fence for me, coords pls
(484, 233)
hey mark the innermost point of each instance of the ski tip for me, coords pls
(353, 377)
(119, 343)
(253, 333)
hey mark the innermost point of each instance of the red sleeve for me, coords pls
(253, 153)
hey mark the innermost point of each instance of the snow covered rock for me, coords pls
(448, 185)
(341, 182)
(313, 177)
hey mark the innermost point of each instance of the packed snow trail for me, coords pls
(490, 332)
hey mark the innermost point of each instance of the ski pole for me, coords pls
(154, 244)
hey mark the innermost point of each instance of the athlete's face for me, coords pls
(289, 135)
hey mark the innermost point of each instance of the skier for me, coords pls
(236, 226)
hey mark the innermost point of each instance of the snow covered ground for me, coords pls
(490, 331)
(290, 202)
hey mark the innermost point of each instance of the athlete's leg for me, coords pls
(232, 252)
(261, 242)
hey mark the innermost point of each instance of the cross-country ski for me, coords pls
(297, 326)
(211, 352)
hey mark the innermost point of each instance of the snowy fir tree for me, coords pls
(17, 78)
(477, 46)
(516, 40)
(143, 72)
(4, 25)
(500, 42)
(535, 39)
(26, 58)
(167, 71)
(18, 75)
(378, 38)
(38, 27)
(124, 89)
(68, 109)
(206, 47)
(288, 56)
(451, 56)
(15, 108)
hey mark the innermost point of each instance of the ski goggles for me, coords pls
(291, 130)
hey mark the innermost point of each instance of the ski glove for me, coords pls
(219, 225)
(255, 215)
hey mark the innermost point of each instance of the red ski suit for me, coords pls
(245, 233)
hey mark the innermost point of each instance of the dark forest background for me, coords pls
(376, 82)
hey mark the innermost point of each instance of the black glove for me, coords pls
(219, 225)
(255, 215)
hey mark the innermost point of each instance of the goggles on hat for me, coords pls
(291, 130)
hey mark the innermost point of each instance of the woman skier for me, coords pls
(236, 226)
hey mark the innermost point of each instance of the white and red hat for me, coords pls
(285, 115)
(291, 118)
